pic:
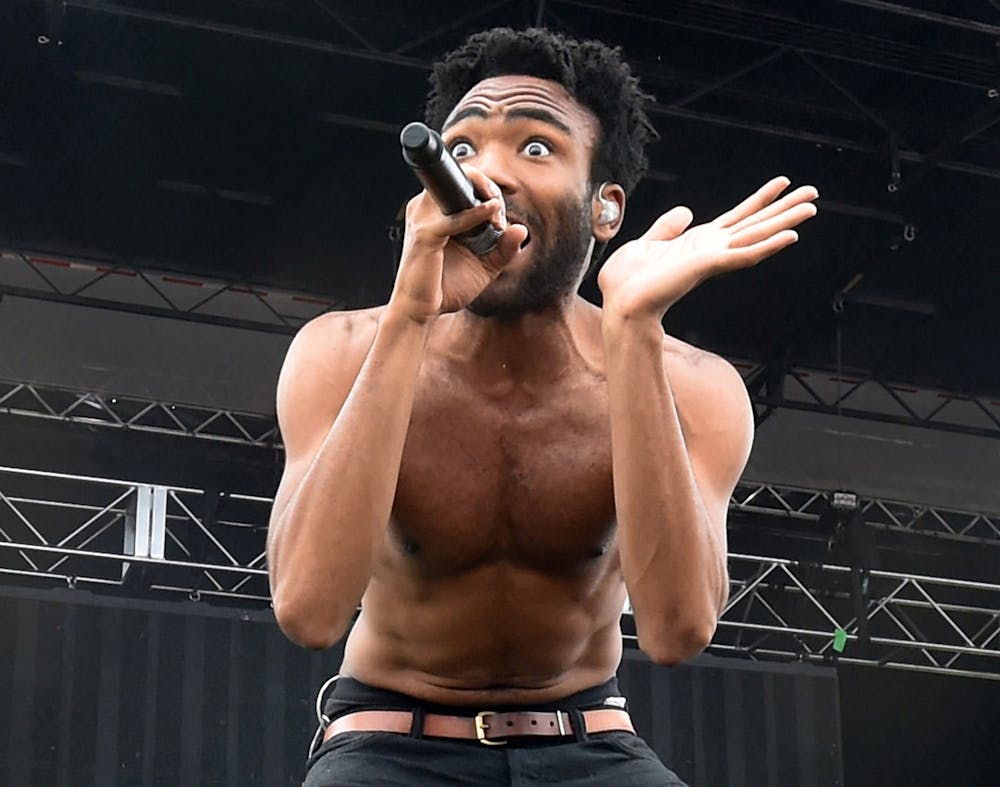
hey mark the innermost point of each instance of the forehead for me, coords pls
(498, 95)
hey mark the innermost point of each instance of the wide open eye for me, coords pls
(537, 148)
(461, 149)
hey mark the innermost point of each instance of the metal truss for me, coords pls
(113, 285)
(784, 609)
(258, 429)
(808, 505)
(117, 285)
(139, 415)
(800, 504)
(137, 538)
(929, 16)
(868, 397)
(810, 390)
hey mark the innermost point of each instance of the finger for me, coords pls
(763, 230)
(485, 212)
(485, 189)
(764, 196)
(425, 220)
(751, 255)
(481, 184)
(800, 195)
(670, 224)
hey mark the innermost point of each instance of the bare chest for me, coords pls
(516, 476)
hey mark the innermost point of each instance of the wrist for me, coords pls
(617, 323)
(404, 310)
(400, 316)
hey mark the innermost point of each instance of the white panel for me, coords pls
(158, 522)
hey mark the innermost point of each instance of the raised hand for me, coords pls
(436, 273)
(646, 276)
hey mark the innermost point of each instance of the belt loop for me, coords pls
(417, 726)
(579, 725)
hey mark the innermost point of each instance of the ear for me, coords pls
(605, 224)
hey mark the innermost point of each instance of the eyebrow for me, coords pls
(532, 113)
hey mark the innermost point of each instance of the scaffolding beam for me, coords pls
(80, 531)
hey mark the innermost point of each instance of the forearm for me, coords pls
(673, 564)
(322, 540)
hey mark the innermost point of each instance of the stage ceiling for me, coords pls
(255, 141)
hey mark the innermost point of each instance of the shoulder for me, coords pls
(326, 355)
(709, 391)
(339, 327)
(333, 339)
(698, 367)
(715, 413)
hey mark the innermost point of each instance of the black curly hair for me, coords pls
(593, 73)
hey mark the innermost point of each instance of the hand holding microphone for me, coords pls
(437, 170)
(435, 275)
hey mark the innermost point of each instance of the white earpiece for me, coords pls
(609, 208)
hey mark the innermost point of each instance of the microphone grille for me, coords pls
(418, 141)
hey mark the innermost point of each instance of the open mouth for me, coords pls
(518, 220)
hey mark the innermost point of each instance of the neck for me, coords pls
(537, 345)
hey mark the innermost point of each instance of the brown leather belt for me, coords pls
(487, 727)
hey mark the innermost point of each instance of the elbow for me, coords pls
(305, 628)
(309, 638)
(676, 645)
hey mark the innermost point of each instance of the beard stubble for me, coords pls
(555, 272)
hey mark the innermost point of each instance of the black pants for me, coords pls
(388, 759)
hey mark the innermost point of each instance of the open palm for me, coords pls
(651, 273)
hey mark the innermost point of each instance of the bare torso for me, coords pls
(498, 580)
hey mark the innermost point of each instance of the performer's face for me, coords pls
(535, 141)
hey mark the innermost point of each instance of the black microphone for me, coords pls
(440, 174)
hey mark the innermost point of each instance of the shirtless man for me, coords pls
(489, 463)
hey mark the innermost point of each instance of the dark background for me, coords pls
(145, 693)
(255, 141)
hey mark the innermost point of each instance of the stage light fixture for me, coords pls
(841, 500)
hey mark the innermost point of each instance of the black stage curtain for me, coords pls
(99, 690)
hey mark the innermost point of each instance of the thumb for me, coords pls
(507, 248)
(511, 240)
(670, 224)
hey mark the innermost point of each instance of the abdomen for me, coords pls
(496, 632)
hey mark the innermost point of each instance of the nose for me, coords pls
(492, 162)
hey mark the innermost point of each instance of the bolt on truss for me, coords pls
(137, 414)
(808, 505)
(149, 538)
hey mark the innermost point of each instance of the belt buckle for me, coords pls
(482, 726)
